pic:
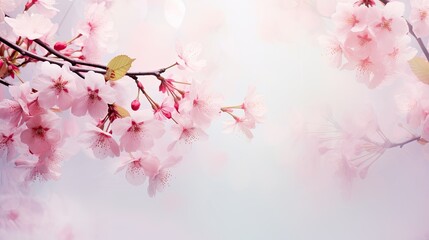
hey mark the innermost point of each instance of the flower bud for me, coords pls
(60, 46)
(176, 105)
(135, 105)
(140, 85)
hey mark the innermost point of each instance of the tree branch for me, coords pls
(402, 144)
(78, 62)
(5, 83)
(73, 68)
(419, 41)
(65, 58)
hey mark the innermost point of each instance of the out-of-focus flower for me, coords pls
(253, 105)
(242, 125)
(419, 17)
(44, 7)
(31, 26)
(158, 172)
(333, 49)
(96, 30)
(202, 105)
(188, 57)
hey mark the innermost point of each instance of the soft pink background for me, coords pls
(228, 187)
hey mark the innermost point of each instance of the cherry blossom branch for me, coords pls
(26, 53)
(65, 58)
(411, 31)
(419, 41)
(4, 83)
(402, 144)
(78, 62)
(29, 54)
(75, 69)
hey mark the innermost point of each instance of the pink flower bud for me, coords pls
(135, 105)
(60, 46)
(167, 114)
(1, 63)
(176, 105)
(140, 85)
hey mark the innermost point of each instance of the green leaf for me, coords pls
(118, 67)
(420, 68)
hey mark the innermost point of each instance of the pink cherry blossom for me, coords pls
(31, 26)
(333, 49)
(419, 17)
(100, 142)
(360, 44)
(185, 133)
(41, 134)
(8, 141)
(137, 132)
(135, 173)
(368, 70)
(372, 40)
(94, 96)
(23, 94)
(399, 53)
(11, 111)
(56, 86)
(15, 110)
(97, 32)
(158, 173)
(202, 105)
(349, 18)
(44, 7)
(389, 22)
(164, 111)
(41, 168)
(253, 105)
(242, 125)
(188, 57)
(413, 101)
(355, 141)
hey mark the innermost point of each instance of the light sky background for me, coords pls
(228, 187)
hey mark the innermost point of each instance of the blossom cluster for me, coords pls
(38, 121)
(378, 41)
(349, 144)
(373, 41)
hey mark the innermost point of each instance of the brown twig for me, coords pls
(76, 69)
